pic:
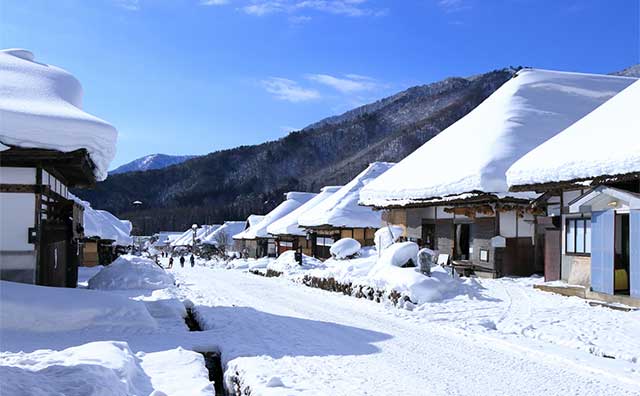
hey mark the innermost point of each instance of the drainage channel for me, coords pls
(212, 360)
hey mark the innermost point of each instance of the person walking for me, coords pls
(182, 261)
(170, 262)
(192, 259)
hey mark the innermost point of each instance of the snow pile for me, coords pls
(386, 236)
(288, 225)
(400, 254)
(177, 372)
(287, 264)
(342, 210)
(345, 248)
(41, 107)
(293, 200)
(523, 113)
(131, 272)
(605, 142)
(94, 369)
(104, 225)
(49, 309)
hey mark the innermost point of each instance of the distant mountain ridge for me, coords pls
(231, 184)
(631, 71)
(151, 161)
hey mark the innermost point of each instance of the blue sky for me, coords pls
(195, 76)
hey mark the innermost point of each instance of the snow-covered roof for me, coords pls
(166, 237)
(225, 233)
(41, 107)
(288, 225)
(293, 200)
(605, 142)
(104, 225)
(474, 153)
(186, 239)
(342, 210)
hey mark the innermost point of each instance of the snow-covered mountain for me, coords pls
(631, 71)
(231, 184)
(151, 161)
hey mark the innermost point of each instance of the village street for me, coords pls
(279, 337)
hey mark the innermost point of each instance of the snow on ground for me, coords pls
(278, 337)
(94, 342)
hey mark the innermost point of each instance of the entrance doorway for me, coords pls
(429, 235)
(462, 241)
(621, 254)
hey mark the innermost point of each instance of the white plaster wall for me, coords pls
(14, 175)
(17, 214)
(525, 228)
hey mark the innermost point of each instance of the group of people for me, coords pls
(192, 260)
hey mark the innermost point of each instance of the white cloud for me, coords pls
(214, 2)
(350, 83)
(352, 8)
(289, 90)
(129, 5)
(454, 5)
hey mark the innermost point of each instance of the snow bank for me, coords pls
(286, 263)
(293, 200)
(105, 368)
(177, 372)
(523, 113)
(288, 225)
(41, 107)
(344, 248)
(386, 236)
(131, 272)
(50, 309)
(400, 254)
(342, 210)
(605, 142)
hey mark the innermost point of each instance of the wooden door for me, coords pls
(53, 254)
(552, 255)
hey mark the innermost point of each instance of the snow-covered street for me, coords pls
(279, 337)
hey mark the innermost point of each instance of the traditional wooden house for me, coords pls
(221, 240)
(196, 233)
(288, 233)
(255, 240)
(590, 177)
(451, 194)
(339, 216)
(105, 236)
(47, 145)
(250, 247)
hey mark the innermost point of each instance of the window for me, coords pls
(578, 236)
(324, 241)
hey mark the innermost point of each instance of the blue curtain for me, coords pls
(602, 251)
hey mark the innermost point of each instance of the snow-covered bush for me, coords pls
(345, 248)
(131, 272)
(286, 263)
(403, 254)
(386, 236)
